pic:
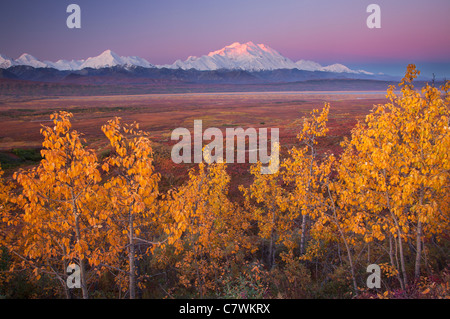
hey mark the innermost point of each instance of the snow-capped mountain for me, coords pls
(334, 68)
(136, 61)
(109, 59)
(338, 68)
(247, 56)
(28, 59)
(308, 65)
(104, 60)
(6, 62)
(64, 65)
(253, 57)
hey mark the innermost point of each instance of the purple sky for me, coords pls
(325, 31)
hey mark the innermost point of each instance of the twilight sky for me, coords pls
(161, 31)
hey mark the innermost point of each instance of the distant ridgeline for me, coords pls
(29, 81)
(234, 68)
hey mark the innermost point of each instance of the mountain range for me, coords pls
(246, 57)
(104, 60)
(253, 57)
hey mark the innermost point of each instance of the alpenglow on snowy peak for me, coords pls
(247, 56)
(252, 57)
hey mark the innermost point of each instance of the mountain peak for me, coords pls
(6, 62)
(109, 59)
(307, 65)
(108, 53)
(253, 57)
(338, 68)
(238, 48)
(105, 59)
(242, 56)
(248, 44)
(28, 59)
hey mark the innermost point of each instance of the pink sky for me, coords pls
(325, 31)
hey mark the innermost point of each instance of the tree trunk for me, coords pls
(271, 254)
(391, 257)
(131, 253)
(402, 260)
(303, 235)
(400, 244)
(344, 239)
(83, 279)
(271, 259)
(84, 289)
(64, 283)
(418, 250)
(350, 259)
